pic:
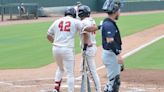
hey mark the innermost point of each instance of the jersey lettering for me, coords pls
(61, 26)
(65, 25)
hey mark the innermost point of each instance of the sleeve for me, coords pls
(109, 29)
(93, 22)
(85, 24)
(51, 30)
(79, 25)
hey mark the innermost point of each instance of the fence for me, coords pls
(95, 5)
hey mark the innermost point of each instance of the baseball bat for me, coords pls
(85, 84)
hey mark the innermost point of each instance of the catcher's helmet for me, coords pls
(84, 11)
(78, 3)
(112, 6)
(70, 11)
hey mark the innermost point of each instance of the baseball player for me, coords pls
(61, 34)
(111, 42)
(89, 39)
(21, 9)
(78, 4)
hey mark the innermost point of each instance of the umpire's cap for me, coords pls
(70, 11)
(112, 6)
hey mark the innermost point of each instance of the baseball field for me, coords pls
(26, 63)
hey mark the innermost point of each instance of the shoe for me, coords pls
(54, 90)
(108, 88)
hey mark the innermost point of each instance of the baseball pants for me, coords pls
(65, 58)
(111, 64)
(90, 57)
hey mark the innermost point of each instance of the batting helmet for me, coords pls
(112, 6)
(70, 11)
(84, 11)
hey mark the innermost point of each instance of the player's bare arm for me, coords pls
(120, 58)
(50, 38)
(109, 40)
(85, 38)
(50, 33)
(91, 28)
(112, 45)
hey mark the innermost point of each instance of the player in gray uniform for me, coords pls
(111, 42)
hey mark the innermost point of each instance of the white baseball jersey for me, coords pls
(92, 35)
(63, 31)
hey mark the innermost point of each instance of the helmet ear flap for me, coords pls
(80, 13)
(74, 16)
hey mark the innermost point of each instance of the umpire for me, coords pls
(111, 42)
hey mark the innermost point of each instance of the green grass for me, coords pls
(150, 57)
(135, 23)
(26, 46)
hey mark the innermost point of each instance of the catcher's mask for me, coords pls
(112, 6)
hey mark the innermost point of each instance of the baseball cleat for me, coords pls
(55, 90)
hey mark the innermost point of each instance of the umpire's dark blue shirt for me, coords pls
(110, 29)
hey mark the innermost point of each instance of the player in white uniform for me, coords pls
(62, 33)
(89, 39)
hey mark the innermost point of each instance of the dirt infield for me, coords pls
(34, 80)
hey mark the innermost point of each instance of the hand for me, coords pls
(120, 59)
(100, 25)
(122, 67)
(85, 47)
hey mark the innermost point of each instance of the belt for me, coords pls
(90, 45)
(62, 46)
(107, 50)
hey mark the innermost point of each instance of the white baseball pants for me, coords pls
(65, 57)
(90, 57)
